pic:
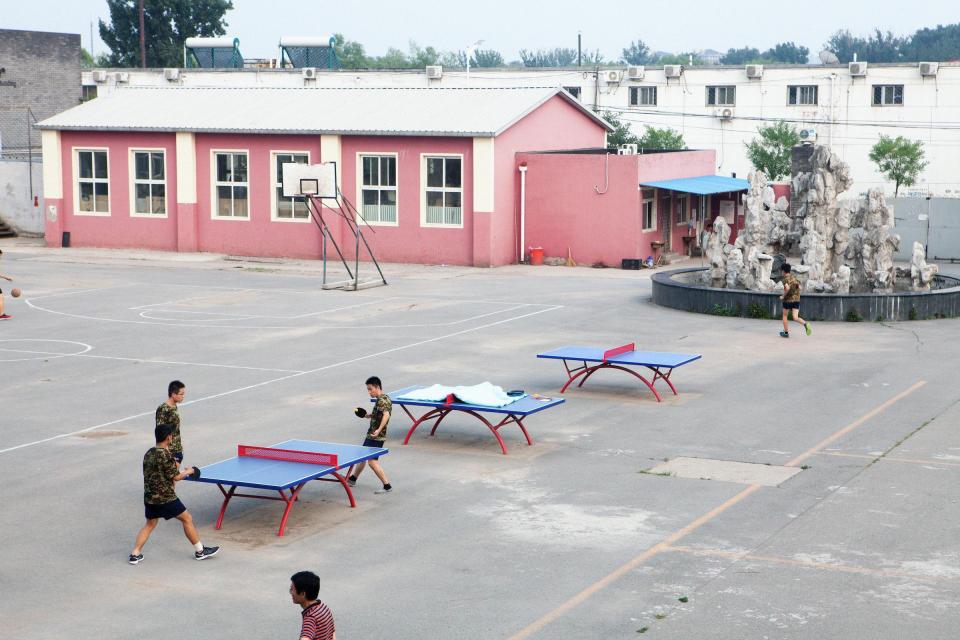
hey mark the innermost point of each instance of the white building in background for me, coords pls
(714, 107)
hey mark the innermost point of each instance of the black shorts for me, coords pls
(166, 510)
(370, 442)
(791, 305)
(178, 456)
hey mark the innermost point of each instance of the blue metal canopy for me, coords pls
(701, 185)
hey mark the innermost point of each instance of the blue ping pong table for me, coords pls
(286, 468)
(513, 413)
(660, 363)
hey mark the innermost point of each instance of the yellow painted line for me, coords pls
(667, 542)
(810, 564)
(939, 463)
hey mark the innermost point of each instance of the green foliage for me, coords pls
(771, 153)
(87, 61)
(486, 58)
(350, 54)
(665, 138)
(899, 160)
(877, 47)
(757, 311)
(621, 133)
(853, 316)
(559, 57)
(723, 310)
(940, 43)
(740, 56)
(788, 53)
(913, 313)
(637, 53)
(167, 25)
(690, 59)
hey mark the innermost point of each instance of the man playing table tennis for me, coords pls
(377, 432)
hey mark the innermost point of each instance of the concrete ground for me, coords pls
(573, 537)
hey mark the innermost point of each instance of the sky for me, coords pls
(509, 25)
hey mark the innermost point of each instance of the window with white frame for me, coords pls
(93, 182)
(149, 183)
(574, 91)
(722, 96)
(643, 96)
(378, 175)
(231, 186)
(802, 94)
(885, 95)
(683, 209)
(444, 191)
(293, 207)
(649, 209)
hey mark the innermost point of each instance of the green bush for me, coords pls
(758, 311)
(722, 310)
(913, 313)
(853, 316)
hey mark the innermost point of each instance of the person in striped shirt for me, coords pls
(317, 621)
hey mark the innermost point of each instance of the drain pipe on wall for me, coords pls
(523, 208)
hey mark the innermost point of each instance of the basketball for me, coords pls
(15, 293)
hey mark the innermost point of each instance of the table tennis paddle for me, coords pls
(360, 412)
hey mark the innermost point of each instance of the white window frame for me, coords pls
(682, 207)
(636, 92)
(727, 90)
(574, 90)
(132, 171)
(214, 184)
(424, 188)
(798, 91)
(75, 151)
(396, 188)
(277, 182)
(653, 209)
(883, 95)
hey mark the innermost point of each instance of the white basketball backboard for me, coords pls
(318, 180)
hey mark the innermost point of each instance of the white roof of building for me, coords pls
(348, 111)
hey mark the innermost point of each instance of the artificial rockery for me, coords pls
(843, 246)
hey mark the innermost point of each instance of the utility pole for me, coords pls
(579, 49)
(143, 40)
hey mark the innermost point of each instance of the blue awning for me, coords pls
(701, 185)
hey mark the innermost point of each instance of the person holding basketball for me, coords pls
(167, 413)
(4, 316)
(377, 432)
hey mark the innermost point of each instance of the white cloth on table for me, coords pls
(484, 394)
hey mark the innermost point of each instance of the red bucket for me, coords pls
(536, 256)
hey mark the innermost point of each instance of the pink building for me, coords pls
(433, 171)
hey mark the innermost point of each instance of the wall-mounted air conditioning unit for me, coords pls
(635, 72)
(929, 68)
(754, 70)
(627, 150)
(672, 70)
(858, 69)
(613, 76)
(309, 73)
(99, 76)
(724, 113)
(123, 76)
(171, 74)
(808, 135)
(434, 72)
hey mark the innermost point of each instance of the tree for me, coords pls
(637, 53)
(350, 54)
(621, 133)
(87, 61)
(167, 25)
(486, 58)
(420, 57)
(939, 44)
(877, 47)
(665, 138)
(559, 57)
(899, 160)
(680, 58)
(740, 56)
(771, 153)
(393, 59)
(788, 53)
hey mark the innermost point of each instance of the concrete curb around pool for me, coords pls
(944, 302)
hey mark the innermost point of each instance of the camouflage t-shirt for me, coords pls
(791, 288)
(381, 406)
(159, 471)
(169, 415)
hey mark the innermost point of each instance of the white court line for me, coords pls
(246, 316)
(288, 377)
(71, 292)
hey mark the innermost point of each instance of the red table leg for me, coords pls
(657, 374)
(226, 500)
(289, 501)
(607, 365)
(417, 421)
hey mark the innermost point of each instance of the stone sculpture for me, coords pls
(921, 273)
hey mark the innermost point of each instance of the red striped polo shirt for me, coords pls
(317, 622)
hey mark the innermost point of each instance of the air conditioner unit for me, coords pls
(858, 69)
(635, 73)
(754, 70)
(123, 76)
(672, 70)
(929, 68)
(434, 72)
(613, 76)
(724, 113)
(808, 135)
(99, 76)
(171, 74)
(309, 73)
(627, 150)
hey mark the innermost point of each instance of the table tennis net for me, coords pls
(287, 455)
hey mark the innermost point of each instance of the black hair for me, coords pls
(174, 387)
(375, 381)
(785, 267)
(162, 432)
(307, 583)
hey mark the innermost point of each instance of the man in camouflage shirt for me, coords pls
(160, 472)
(791, 300)
(167, 413)
(376, 432)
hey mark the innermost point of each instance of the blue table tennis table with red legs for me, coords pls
(593, 359)
(285, 468)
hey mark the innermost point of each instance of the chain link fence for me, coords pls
(19, 137)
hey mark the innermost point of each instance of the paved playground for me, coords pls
(842, 525)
